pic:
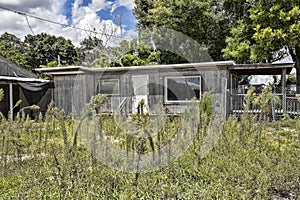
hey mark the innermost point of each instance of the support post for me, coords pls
(230, 93)
(11, 101)
(283, 89)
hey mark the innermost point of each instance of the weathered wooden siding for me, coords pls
(211, 80)
(73, 92)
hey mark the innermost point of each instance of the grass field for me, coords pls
(46, 159)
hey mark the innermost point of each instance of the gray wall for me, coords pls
(72, 92)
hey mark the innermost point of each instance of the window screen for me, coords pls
(183, 88)
(110, 86)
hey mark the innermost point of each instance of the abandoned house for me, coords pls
(174, 86)
(20, 84)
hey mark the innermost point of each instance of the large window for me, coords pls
(182, 89)
(109, 86)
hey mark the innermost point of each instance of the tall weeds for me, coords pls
(46, 158)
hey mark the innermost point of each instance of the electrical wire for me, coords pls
(29, 25)
(60, 24)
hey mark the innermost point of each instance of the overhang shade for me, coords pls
(261, 69)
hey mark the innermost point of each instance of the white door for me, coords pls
(140, 91)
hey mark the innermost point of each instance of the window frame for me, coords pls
(180, 101)
(113, 79)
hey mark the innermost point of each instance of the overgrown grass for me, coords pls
(46, 159)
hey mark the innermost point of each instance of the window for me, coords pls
(182, 89)
(109, 86)
(140, 85)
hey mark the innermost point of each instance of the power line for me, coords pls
(29, 25)
(61, 24)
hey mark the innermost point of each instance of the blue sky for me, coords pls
(86, 14)
(108, 13)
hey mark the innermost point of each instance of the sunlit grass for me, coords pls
(253, 159)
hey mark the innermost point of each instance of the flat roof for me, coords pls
(71, 69)
(239, 69)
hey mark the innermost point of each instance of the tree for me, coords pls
(12, 48)
(235, 10)
(141, 55)
(44, 48)
(141, 12)
(89, 50)
(271, 33)
(201, 20)
(128, 53)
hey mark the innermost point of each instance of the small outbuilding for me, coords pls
(174, 86)
(17, 84)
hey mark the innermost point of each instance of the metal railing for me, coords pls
(288, 102)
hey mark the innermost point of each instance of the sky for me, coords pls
(101, 16)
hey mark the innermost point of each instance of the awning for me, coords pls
(29, 84)
(34, 89)
(261, 69)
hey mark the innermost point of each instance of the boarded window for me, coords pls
(182, 88)
(140, 85)
(109, 86)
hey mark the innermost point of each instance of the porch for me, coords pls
(285, 93)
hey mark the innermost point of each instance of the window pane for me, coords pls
(109, 86)
(140, 85)
(183, 89)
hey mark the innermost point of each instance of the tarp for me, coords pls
(36, 87)
(35, 91)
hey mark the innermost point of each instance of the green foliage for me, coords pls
(249, 98)
(38, 50)
(141, 118)
(238, 46)
(298, 97)
(128, 54)
(269, 33)
(44, 48)
(143, 56)
(264, 100)
(200, 20)
(50, 64)
(251, 160)
(206, 105)
(141, 12)
(1, 94)
(292, 79)
(98, 101)
(89, 50)
(12, 48)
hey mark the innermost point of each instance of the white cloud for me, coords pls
(16, 23)
(98, 4)
(82, 17)
(86, 17)
(130, 34)
(24, 5)
(129, 4)
(13, 23)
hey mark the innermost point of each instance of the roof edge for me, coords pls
(22, 79)
(128, 68)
